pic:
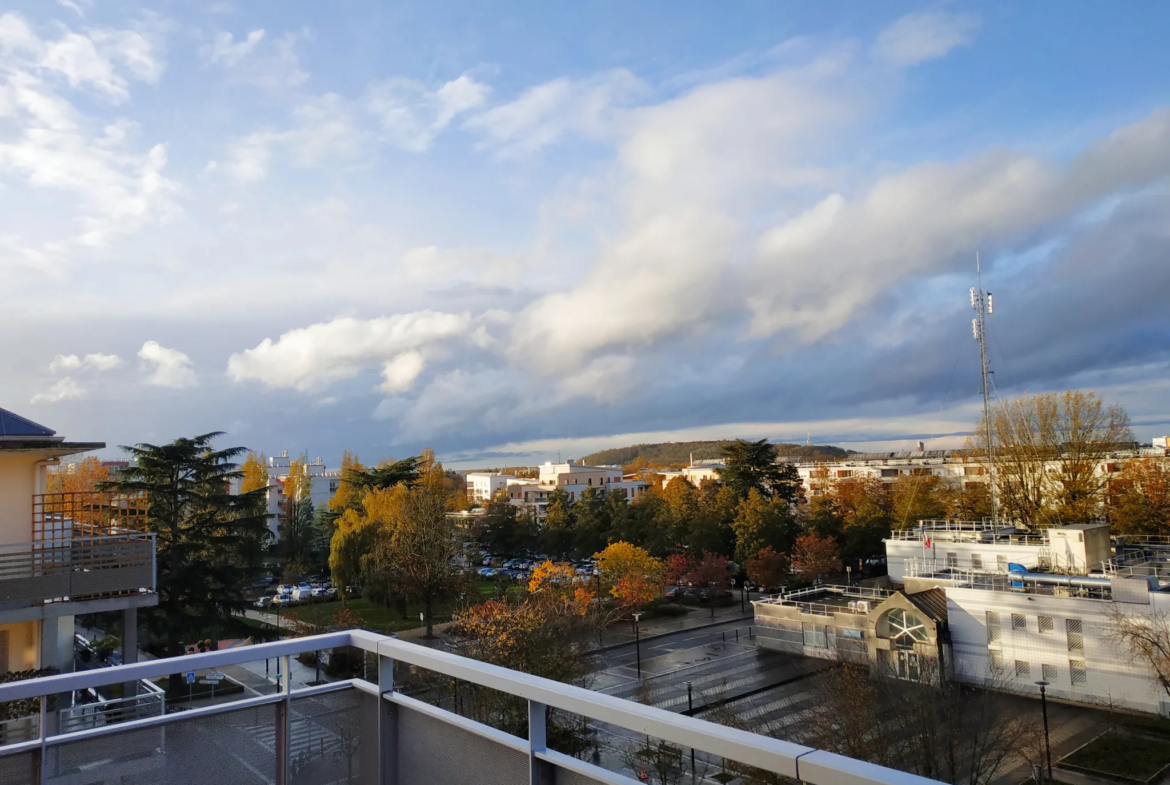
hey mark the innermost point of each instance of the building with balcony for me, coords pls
(375, 729)
(63, 554)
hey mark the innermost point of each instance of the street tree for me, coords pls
(816, 556)
(209, 542)
(711, 572)
(630, 574)
(297, 518)
(768, 568)
(255, 473)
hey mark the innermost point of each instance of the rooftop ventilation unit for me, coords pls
(863, 606)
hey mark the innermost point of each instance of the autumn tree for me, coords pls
(914, 498)
(590, 522)
(1139, 498)
(350, 491)
(558, 523)
(816, 556)
(630, 574)
(1047, 450)
(677, 566)
(768, 568)
(759, 523)
(711, 572)
(297, 518)
(414, 545)
(255, 473)
(80, 477)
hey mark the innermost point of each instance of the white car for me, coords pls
(303, 591)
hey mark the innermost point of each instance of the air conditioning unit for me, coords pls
(852, 605)
(862, 606)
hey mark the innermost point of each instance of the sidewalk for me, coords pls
(623, 631)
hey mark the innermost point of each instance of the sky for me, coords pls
(517, 231)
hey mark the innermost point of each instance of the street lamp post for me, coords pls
(638, 642)
(711, 597)
(690, 712)
(1044, 710)
(597, 596)
(848, 576)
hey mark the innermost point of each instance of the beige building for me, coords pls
(63, 554)
(903, 634)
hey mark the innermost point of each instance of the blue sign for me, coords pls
(191, 677)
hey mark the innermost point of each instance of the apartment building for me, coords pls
(63, 554)
(322, 485)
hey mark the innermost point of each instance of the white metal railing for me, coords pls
(773, 755)
(115, 710)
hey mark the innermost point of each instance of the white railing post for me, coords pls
(387, 738)
(539, 772)
(282, 712)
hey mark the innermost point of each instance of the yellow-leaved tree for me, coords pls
(348, 495)
(630, 574)
(255, 469)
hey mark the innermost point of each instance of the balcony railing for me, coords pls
(363, 731)
(77, 568)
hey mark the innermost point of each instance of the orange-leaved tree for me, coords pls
(1139, 498)
(559, 584)
(630, 573)
(816, 556)
(768, 568)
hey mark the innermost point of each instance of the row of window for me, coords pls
(1073, 629)
(1001, 562)
(1078, 676)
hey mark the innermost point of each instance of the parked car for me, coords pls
(284, 588)
(264, 602)
(673, 593)
(303, 591)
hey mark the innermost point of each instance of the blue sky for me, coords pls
(508, 232)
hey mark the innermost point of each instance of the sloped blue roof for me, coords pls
(14, 425)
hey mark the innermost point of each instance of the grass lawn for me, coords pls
(379, 618)
(1122, 755)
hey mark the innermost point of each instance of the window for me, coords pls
(976, 561)
(1023, 670)
(851, 633)
(905, 629)
(1049, 673)
(1076, 672)
(921, 472)
(952, 560)
(995, 661)
(1000, 563)
(844, 473)
(992, 626)
(1046, 624)
(889, 472)
(815, 636)
(1076, 640)
(1019, 621)
(973, 471)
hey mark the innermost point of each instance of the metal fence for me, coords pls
(363, 731)
(77, 567)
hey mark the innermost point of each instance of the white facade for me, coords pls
(322, 485)
(482, 486)
(1020, 638)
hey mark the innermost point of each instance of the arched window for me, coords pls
(905, 629)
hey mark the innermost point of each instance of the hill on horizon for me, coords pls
(674, 453)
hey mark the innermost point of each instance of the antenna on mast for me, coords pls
(981, 303)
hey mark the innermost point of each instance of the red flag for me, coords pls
(928, 545)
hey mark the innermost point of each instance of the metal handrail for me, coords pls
(774, 755)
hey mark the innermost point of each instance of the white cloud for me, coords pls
(52, 148)
(258, 59)
(320, 354)
(325, 133)
(549, 112)
(97, 362)
(76, 7)
(412, 115)
(918, 37)
(171, 368)
(224, 49)
(62, 390)
(401, 372)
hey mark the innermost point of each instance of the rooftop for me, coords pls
(19, 434)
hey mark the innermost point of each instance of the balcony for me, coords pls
(364, 730)
(83, 546)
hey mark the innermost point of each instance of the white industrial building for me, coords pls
(1020, 607)
(533, 493)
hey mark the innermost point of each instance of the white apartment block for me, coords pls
(533, 493)
(322, 485)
